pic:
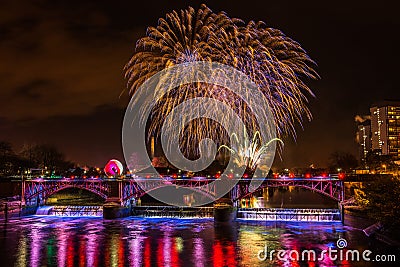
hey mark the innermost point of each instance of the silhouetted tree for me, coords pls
(342, 160)
(31, 156)
(27, 154)
(375, 161)
(49, 158)
(93, 172)
(382, 198)
(5, 149)
(7, 159)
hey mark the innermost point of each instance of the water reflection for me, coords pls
(62, 237)
(60, 241)
(198, 252)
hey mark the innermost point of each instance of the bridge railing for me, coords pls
(37, 190)
(48, 179)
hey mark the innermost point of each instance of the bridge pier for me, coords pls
(224, 211)
(113, 209)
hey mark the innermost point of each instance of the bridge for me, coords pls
(36, 191)
(330, 187)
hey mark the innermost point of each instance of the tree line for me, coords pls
(43, 156)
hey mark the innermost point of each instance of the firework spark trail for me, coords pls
(150, 93)
(273, 61)
(250, 153)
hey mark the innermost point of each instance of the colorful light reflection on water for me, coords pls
(66, 241)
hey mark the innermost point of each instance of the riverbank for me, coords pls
(358, 218)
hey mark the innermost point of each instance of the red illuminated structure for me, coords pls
(37, 191)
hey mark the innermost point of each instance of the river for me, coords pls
(92, 241)
(133, 241)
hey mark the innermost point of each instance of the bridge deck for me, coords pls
(38, 190)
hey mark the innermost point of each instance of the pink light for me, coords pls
(62, 236)
(198, 252)
(113, 167)
(36, 246)
(136, 252)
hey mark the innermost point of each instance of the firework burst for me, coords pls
(250, 153)
(273, 61)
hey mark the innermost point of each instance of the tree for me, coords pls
(382, 199)
(45, 157)
(5, 149)
(93, 172)
(7, 159)
(375, 161)
(342, 160)
(48, 156)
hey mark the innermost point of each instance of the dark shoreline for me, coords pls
(359, 220)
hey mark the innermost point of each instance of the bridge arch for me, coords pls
(299, 186)
(36, 192)
(133, 191)
(96, 192)
(332, 189)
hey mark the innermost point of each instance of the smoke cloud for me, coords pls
(361, 119)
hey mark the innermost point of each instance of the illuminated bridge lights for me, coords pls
(38, 190)
(300, 215)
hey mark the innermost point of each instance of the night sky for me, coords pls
(61, 70)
